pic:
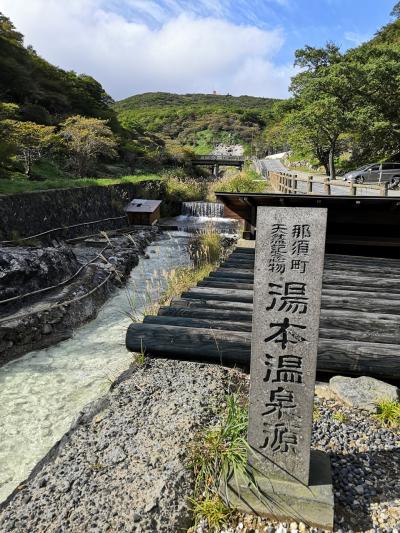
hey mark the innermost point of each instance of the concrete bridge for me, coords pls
(216, 161)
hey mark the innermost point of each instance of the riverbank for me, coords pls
(42, 391)
(41, 319)
(125, 463)
(123, 466)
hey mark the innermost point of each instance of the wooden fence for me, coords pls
(287, 182)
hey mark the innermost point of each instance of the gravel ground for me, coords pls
(365, 459)
(124, 464)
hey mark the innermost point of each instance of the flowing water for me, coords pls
(203, 209)
(42, 392)
(196, 216)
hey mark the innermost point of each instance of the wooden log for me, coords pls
(351, 290)
(361, 267)
(237, 272)
(359, 261)
(362, 270)
(191, 344)
(238, 263)
(214, 304)
(353, 259)
(229, 276)
(229, 325)
(356, 293)
(234, 315)
(227, 347)
(244, 250)
(226, 284)
(361, 358)
(240, 256)
(202, 323)
(340, 324)
(343, 281)
(339, 301)
(210, 293)
(364, 335)
(361, 304)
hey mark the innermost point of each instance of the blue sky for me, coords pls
(232, 46)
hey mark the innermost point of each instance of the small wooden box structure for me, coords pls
(143, 212)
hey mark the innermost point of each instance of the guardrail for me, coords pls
(287, 182)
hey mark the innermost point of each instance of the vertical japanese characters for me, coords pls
(288, 278)
(289, 250)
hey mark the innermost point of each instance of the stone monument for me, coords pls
(284, 479)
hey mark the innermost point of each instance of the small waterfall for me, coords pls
(203, 209)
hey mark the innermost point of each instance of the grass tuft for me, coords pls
(388, 413)
(216, 452)
(206, 247)
(212, 509)
(340, 417)
(316, 414)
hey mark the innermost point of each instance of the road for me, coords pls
(276, 165)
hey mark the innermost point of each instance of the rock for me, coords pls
(115, 455)
(364, 392)
(27, 269)
(47, 329)
(322, 390)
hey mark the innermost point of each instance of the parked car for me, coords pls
(376, 173)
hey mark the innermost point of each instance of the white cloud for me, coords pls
(183, 53)
(356, 38)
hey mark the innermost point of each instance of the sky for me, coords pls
(229, 46)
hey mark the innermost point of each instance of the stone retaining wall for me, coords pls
(22, 215)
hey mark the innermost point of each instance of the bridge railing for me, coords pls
(288, 182)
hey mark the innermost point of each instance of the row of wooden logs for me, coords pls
(359, 326)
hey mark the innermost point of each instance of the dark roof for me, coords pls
(371, 222)
(142, 206)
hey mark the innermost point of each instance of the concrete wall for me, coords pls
(22, 215)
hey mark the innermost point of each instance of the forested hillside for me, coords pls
(43, 92)
(57, 124)
(197, 120)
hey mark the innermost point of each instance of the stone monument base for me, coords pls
(285, 500)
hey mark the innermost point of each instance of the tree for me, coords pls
(323, 102)
(30, 140)
(396, 11)
(86, 139)
(8, 31)
(7, 111)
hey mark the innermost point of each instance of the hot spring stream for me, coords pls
(42, 392)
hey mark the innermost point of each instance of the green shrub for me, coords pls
(184, 190)
(245, 181)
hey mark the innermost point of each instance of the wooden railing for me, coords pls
(288, 182)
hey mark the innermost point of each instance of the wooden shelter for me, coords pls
(357, 225)
(143, 212)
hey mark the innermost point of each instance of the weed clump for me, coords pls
(340, 417)
(206, 247)
(388, 413)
